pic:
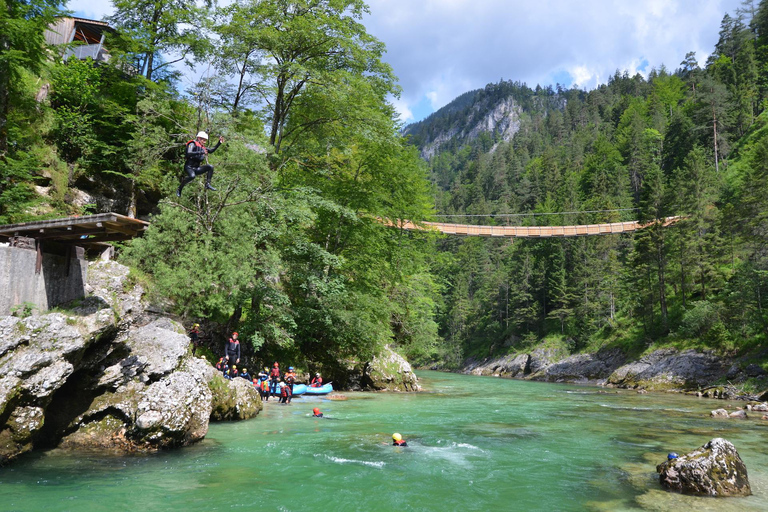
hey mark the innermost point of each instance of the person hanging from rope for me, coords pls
(193, 165)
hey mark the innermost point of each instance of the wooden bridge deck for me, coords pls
(528, 231)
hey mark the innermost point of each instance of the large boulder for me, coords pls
(715, 469)
(512, 365)
(235, 399)
(38, 356)
(582, 367)
(391, 372)
(107, 373)
(671, 369)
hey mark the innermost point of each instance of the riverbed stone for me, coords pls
(740, 415)
(715, 469)
(719, 413)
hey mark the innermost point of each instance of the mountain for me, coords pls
(496, 110)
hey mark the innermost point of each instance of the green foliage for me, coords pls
(23, 310)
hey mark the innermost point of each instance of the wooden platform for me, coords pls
(84, 231)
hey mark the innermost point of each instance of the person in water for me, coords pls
(285, 393)
(290, 377)
(317, 381)
(244, 374)
(263, 385)
(316, 413)
(397, 440)
(232, 350)
(194, 337)
(265, 390)
(196, 153)
(274, 377)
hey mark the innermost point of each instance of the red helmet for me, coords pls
(316, 410)
(275, 364)
(234, 334)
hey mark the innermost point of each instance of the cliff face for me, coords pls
(663, 369)
(107, 373)
(500, 118)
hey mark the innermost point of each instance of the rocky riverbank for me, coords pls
(108, 372)
(666, 369)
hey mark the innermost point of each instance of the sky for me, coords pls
(440, 49)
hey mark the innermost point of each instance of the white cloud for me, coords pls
(440, 49)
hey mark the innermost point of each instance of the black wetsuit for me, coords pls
(193, 166)
(233, 351)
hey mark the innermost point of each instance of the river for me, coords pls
(475, 443)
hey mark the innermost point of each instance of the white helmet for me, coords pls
(202, 135)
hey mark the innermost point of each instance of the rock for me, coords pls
(742, 415)
(760, 407)
(719, 413)
(105, 374)
(235, 399)
(765, 417)
(391, 372)
(670, 369)
(579, 367)
(642, 391)
(715, 469)
(541, 358)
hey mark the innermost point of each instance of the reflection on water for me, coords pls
(475, 443)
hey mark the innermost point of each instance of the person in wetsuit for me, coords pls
(285, 393)
(274, 377)
(397, 440)
(290, 377)
(317, 381)
(316, 413)
(195, 154)
(232, 350)
(262, 377)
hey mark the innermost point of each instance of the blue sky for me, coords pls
(440, 49)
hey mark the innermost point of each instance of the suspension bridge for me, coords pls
(612, 228)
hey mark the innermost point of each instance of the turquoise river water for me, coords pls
(475, 443)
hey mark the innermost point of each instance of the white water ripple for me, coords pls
(340, 460)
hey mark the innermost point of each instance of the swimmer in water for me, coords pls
(316, 413)
(397, 440)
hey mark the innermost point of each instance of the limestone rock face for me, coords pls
(390, 371)
(107, 374)
(38, 356)
(517, 365)
(235, 399)
(671, 369)
(582, 367)
(715, 469)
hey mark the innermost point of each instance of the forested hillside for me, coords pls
(691, 142)
(288, 250)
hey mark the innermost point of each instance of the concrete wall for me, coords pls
(51, 287)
